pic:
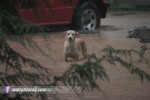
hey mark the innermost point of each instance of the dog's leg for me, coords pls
(74, 55)
(84, 54)
(84, 50)
(66, 58)
(65, 52)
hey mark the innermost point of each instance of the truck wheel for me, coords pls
(86, 17)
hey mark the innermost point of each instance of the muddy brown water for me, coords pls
(114, 32)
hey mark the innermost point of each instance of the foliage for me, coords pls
(12, 28)
(12, 61)
(114, 56)
(83, 77)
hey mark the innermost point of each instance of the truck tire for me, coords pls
(86, 17)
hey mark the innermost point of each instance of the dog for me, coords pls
(74, 45)
(137, 32)
(141, 33)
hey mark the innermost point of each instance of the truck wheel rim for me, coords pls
(88, 20)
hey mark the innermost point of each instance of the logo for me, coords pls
(7, 89)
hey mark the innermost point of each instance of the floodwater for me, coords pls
(113, 32)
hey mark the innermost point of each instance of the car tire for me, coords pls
(86, 17)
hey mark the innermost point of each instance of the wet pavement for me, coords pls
(113, 32)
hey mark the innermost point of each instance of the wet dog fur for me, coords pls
(74, 45)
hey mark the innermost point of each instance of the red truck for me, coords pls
(80, 14)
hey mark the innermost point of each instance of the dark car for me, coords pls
(80, 14)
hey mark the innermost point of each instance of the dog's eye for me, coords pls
(68, 34)
(73, 34)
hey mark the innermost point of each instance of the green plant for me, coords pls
(81, 76)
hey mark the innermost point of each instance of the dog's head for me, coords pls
(70, 35)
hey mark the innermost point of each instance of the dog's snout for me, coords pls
(70, 39)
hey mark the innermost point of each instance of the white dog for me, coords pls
(74, 45)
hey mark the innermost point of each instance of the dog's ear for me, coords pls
(77, 34)
(65, 32)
